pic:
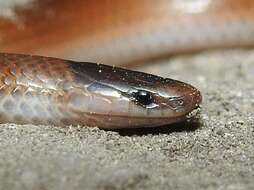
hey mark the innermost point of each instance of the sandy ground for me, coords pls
(214, 152)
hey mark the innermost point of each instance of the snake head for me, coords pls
(166, 102)
(121, 98)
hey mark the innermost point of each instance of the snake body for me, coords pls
(126, 31)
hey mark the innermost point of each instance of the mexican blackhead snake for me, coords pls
(45, 90)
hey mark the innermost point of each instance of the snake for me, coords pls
(43, 90)
(58, 91)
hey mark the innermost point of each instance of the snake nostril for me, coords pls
(180, 102)
(176, 102)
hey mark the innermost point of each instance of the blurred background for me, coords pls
(123, 32)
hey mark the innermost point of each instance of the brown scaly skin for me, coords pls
(43, 90)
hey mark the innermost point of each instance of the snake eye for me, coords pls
(143, 97)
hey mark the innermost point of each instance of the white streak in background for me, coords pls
(191, 6)
(7, 7)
